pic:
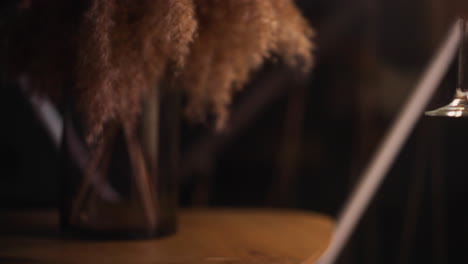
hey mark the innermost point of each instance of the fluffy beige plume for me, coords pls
(126, 48)
(103, 56)
(235, 37)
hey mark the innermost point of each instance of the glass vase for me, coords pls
(127, 186)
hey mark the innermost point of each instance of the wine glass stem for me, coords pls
(461, 56)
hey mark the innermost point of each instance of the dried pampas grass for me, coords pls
(99, 59)
(104, 56)
(292, 41)
(234, 38)
(126, 48)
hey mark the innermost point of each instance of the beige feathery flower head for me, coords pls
(126, 47)
(234, 38)
(105, 56)
(293, 36)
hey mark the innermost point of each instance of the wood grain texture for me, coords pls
(208, 236)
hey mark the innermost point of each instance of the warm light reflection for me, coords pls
(458, 113)
(455, 102)
(457, 108)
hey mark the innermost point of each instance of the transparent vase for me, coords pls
(127, 186)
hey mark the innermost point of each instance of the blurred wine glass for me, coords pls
(458, 107)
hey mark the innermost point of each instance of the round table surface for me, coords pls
(208, 236)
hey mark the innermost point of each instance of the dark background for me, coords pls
(302, 142)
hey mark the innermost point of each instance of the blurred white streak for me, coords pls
(47, 114)
(53, 123)
(375, 172)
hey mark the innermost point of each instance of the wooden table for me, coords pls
(208, 236)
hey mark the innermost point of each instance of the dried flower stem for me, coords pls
(139, 172)
(142, 178)
(91, 175)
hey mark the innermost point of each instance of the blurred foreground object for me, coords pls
(459, 105)
(375, 172)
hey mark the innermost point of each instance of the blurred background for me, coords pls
(302, 141)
